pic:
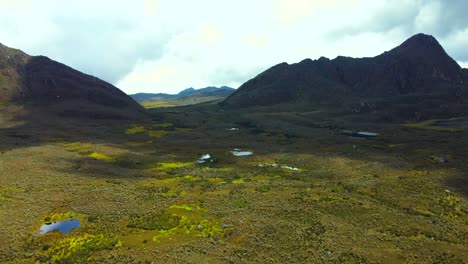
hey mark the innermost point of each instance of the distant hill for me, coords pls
(40, 83)
(140, 97)
(418, 74)
(186, 97)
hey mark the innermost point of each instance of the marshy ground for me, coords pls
(141, 197)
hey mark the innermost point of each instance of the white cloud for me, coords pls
(169, 45)
(151, 6)
(456, 44)
(463, 64)
(290, 11)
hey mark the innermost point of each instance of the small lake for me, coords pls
(205, 158)
(279, 166)
(359, 134)
(63, 227)
(241, 153)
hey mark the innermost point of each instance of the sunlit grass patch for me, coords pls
(11, 189)
(156, 104)
(80, 249)
(238, 181)
(217, 181)
(190, 178)
(80, 147)
(4, 197)
(188, 207)
(102, 157)
(423, 212)
(261, 178)
(451, 206)
(178, 222)
(172, 165)
(135, 130)
(8, 193)
(140, 129)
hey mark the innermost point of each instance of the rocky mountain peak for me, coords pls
(418, 67)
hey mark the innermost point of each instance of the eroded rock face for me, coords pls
(40, 81)
(418, 66)
(11, 70)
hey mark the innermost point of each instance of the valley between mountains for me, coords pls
(324, 161)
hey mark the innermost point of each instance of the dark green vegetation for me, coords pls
(141, 197)
(188, 96)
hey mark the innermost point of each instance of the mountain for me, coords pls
(43, 84)
(186, 97)
(419, 67)
(140, 97)
(208, 91)
(223, 90)
(187, 91)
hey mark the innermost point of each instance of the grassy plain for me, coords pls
(142, 198)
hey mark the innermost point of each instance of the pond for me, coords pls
(205, 158)
(279, 166)
(359, 134)
(63, 227)
(241, 153)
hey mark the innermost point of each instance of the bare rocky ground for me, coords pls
(141, 197)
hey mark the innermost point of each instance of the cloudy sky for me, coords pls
(169, 45)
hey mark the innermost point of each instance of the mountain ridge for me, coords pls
(41, 82)
(419, 65)
(207, 91)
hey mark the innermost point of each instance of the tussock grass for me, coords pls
(353, 201)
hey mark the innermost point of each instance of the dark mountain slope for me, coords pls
(42, 83)
(418, 67)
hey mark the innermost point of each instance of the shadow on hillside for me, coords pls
(265, 134)
(48, 100)
(27, 125)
